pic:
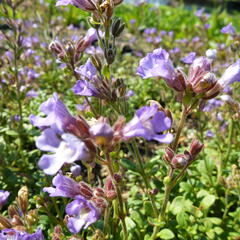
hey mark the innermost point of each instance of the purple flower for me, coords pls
(149, 123)
(199, 12)
(231, 75)
(133, 21)
(85, 88)
(64, 187)
(57, 114)
(211, 53)
(102, 132)
(82, 214)
(229, 29)
(189, 58)
(82, 4)
(76, 170)
(210, 134)
(158, 64)
(66, 149)
(87, 70)
(3, 197)
(31, 94)
(212, 104)
(7, 234)
(38, 235)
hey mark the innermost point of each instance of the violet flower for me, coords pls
(149, 123)
(64, 187)
(3, 197)
(231, 75)
(189, 58)
(158, 64)
(82, 4)
(229, 29)
(66, 149)
(12, 234)
(85, 86)
(82, 213)
(56, 114)
(64, 146)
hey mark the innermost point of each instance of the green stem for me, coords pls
(144, 176)
(223, 160)
(119, 196)
(106, 220)
(180, 127)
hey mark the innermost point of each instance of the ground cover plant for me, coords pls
(118, 121)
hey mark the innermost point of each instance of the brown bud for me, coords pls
(169, 154)
(22, 203)
(109, 184)
(111, 194)
(70, 49)
(31, 217)
(57, 48)
(5, 222)
(195, 148)
(180, 161)
(16, 221)
(99, 192)
(117, 178)
(100, 202)
(23, 192)
(96, 62)
(85, 190)
(12, 210)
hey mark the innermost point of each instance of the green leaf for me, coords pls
(166, 234)
(180, 204)
(182, 218)
(207, 201)
(148, 208)
(128, 164)
(131, 225)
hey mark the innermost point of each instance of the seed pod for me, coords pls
(115, 26)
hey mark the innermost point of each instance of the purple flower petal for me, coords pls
(64, 187)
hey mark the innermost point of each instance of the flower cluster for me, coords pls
(88, 204)
(200, 80)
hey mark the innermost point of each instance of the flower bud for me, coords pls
(75, 170)
(211, 53)
(179, 161)
(117, 27)
(85, 190)
(111, 194)
(57, 48)
(117, 178)
(195, 148)
(169, 154)
(100, 202)
(99, 192)
(96, 62)
(5, 222)
(16, 221)
(12, 210)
